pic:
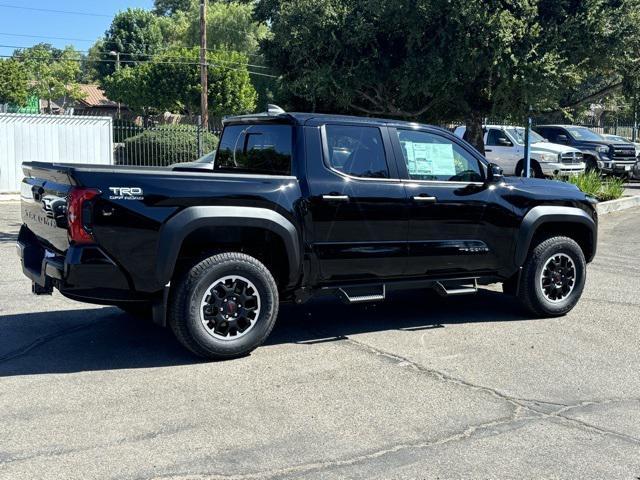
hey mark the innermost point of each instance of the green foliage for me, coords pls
(171, 82)
(612, 188)
(166, 145)
(53, 73)
(588, 182)
(169, 7)
(230, 25)
(440, 59)
(592, 184)
(13, 82)
(135, 34)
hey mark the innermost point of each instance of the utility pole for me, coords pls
(204, 98)
(117, 55)
(527, 148)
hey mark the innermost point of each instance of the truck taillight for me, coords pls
(79, 213)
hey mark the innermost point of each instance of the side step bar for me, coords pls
(363, 294)
(378, 292)
(457, 289)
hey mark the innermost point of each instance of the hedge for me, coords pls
(165, 145)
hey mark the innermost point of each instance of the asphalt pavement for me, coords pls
(414, 388)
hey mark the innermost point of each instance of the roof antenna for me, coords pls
(274, 109)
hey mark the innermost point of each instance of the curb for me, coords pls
(9, 198)
(619, 204)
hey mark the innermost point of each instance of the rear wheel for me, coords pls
(224, 307)
(553, 277)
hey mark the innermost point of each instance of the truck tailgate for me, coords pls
(43, 196)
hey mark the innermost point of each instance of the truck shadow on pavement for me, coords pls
(107, 339)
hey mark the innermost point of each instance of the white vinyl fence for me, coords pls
(50, 138)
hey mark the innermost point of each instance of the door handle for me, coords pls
(425, 198)
(335, 198)
(488, 150)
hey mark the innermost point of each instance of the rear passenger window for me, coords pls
(260, 149)
(357, 151)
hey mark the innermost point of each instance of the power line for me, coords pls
(48, 10)
(213, 64)
(46, 37)
(150, 56)
(166, 47)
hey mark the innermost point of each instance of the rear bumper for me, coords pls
(84, 272)
(42, 269)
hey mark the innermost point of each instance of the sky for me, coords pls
(84, 29)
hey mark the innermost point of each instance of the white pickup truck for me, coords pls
(504, 146)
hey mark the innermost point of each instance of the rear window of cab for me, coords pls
(260, 149)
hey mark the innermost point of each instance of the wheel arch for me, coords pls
(570, 222)
(520, 165)
(190, 221)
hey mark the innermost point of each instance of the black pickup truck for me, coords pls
(297, 205)
(600, 154)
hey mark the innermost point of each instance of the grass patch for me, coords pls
(593, 184)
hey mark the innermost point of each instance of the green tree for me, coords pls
(135, 35)
(230, 25)
(13, 82)
(448, 59)
(169, 7)
(53, 73)
(171, 82)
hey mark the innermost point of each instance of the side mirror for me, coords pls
(504, 142)
(494, 173)
(562, 139)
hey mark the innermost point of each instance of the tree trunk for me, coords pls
(474, 133)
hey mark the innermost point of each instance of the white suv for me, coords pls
(504, 146)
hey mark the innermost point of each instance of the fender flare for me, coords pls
(177, 228)
(540, 215)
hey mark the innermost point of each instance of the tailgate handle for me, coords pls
(37, 192)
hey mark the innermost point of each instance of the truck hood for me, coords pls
(548, 147)
(550, 187)
(607, 143)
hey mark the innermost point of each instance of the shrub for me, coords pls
(612, 188)
(592, 184)
(165, 145)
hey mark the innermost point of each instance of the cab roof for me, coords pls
(298, 118)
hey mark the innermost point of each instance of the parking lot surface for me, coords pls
(417, 387)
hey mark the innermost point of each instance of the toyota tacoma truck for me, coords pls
(297, 205)
(612, 157)
(504, 146)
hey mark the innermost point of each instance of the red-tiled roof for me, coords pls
(94, 97)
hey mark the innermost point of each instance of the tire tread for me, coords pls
(180, 295)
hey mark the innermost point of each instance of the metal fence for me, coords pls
(50, 138)
(623, 128)
(160, 145)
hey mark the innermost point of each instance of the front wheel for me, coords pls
(535, 171)
(553, 277)
(224, 307)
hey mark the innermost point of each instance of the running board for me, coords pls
(460, 289)
(363, 294)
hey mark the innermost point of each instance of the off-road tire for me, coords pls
(531, 293)
(187, 291)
